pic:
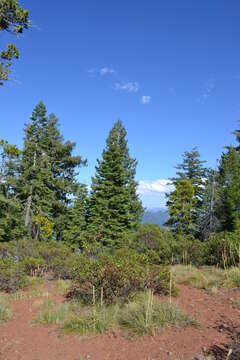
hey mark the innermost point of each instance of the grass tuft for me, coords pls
(5, 311)
(147, 314)
(61, 287)
(208, 278)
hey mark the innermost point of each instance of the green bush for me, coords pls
(113, 277)
(12, 276)
(63, 268)
(34, 266)
(222, 250)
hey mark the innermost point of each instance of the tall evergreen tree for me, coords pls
(36, 176)
(74, 233)
(180, 206)
(228, 207)
(114, 205)
(208, 218)
(192, 169)
(10, 207)
(48, 172)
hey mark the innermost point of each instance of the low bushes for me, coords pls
(12, 276)
(119, 276)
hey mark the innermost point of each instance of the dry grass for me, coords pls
(5, 310)
(208, 278)
(145, 315)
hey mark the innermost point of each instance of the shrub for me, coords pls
(52, 250)
(63, 268)
(12, 276)
(34, 266)
(5, 311)
(110, 278)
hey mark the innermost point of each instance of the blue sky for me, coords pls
(169, 69)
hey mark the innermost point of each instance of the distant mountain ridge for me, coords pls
(155, 216)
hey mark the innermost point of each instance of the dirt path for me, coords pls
(21, 340)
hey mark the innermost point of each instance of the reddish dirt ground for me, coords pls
(21, 340)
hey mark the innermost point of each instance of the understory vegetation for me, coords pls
(144, 314)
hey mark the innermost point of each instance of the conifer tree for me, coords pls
(13, 19)
(228, 207)
(114, 205)
(208, 218)
(36, 175)
(48, 172)
(192, 169)
(10, 207)
(180, 206)
(74, 234)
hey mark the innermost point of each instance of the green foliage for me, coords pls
(228, 206)
(114, 205)
(13, 19)
(12, 277)
(47, 179)
(207, 278)
(181, 207)
(5, 311)
(147, 315)
(10, 206)
(33, 266)
(110, 278)
(75, 232)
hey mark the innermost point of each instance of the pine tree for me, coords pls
(10, 207)
(48, 175)
(36, 176)
(74, 234)
(64, 167)
(192, 169)
(13, 19)
(228, 207)
(180, 206)
(208, 219)
(114, 204)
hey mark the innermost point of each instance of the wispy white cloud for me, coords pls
(92, 72)
(159, 186)
(145, 99)
(106, 70)
(131, 86)
(209, 88)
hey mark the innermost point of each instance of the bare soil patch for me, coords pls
(218, 314)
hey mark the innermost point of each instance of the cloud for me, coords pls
(131, 86)
(106, 70)
(145, 99)
(92, 72)
(209, 88)
(155, 187)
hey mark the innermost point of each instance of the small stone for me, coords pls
(169, 353)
